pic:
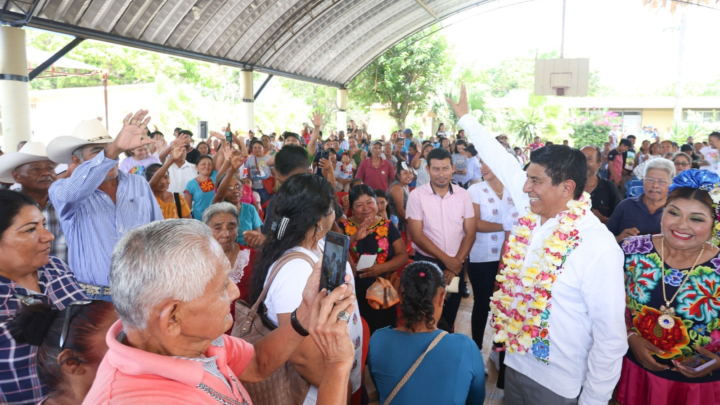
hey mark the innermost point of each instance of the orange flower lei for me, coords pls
(519, 306)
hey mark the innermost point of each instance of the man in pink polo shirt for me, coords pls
(441, 224)
(171, 288)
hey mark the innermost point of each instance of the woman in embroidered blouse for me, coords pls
(680, 269)
(493, 207)
(230, 190)
(200, 191)
(28, 274)
(370, 234)
(398, 193)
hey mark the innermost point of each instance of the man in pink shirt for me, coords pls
(173, 296)
(441, 224)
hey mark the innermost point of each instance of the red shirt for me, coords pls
(376, 177)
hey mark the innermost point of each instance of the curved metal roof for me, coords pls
(322, 41)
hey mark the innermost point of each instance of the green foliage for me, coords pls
(538, 118)
(321, 98)
(592, 127)
(405, 76)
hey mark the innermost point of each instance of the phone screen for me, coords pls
(334, 260)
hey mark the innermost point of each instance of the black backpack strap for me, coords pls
(178, 205)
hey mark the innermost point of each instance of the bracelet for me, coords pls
(296, 324)
(631, 333)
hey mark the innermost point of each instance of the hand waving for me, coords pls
(363, 230)
(317, 119)
(132, 135)
(177, 152)
(461, 107)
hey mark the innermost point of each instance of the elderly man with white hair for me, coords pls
(172, 291)
(641, 215)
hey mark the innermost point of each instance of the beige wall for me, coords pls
(657, 118)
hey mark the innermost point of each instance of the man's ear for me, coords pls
(170, 317)
(568, 188)
(76, 160)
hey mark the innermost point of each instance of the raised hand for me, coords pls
(461, 107)
(236, 162)
(317, 119)
(177, 152)
(363, 229)
(132, 135)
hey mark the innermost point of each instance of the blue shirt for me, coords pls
(19, 381)
(452, 373)
(249, 220)
(92, 223)
(201, 199)
(633, 213)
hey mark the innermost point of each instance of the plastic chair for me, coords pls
(635, 191)
(633, 183)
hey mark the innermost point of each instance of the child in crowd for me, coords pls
(248, 196)
(343, 173)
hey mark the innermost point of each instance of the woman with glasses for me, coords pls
(230, 190)
(28, 276)
(641, 215)
(70, 345)
(682, 162)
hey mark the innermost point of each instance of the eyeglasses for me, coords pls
(661, 183)
(66, 323)
(238, 187)
(682, 164)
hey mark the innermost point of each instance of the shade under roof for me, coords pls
(323, 41)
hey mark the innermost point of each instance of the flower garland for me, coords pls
(520, 307)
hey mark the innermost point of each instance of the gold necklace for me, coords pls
(666, 320)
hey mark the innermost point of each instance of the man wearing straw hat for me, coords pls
(32, 169)
(97, 203)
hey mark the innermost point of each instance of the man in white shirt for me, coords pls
(181, 172)
(344, 144)
(577, 357)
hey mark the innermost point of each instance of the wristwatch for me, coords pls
(296, 324)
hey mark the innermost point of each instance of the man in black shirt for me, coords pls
(604, 195)
(192, 153)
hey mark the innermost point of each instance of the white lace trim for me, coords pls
(238, 269)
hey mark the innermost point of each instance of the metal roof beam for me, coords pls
(432, 13)
(59, 54)
(86, 33)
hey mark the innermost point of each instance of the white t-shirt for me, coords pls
(285, 295)
(711, 156)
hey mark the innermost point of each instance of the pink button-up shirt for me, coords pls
(443, 217)
(131, 376)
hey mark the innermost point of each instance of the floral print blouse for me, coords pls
(696, 306)
(379, 241)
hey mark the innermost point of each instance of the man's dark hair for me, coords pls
(626, 142)
(714, 135)
(562, 163)
(292, 134)
(291, 158)
(438, 154)
(631, 136)
(178, 129)
(471, 150)
(185, 132)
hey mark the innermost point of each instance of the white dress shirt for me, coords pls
(587, 319)
(180, 176)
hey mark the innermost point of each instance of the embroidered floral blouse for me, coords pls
(379, 241)
(696, 306)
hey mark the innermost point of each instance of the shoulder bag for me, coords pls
(285, 386)
(178, 205)
(414, 367)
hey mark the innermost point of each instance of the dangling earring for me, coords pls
(320, 228)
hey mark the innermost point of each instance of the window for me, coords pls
(706, 116)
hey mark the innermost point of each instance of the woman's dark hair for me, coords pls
(355, 182)
(200, 159)
(202, 143)
(440, 125)
(359, 191)
(657, 148)
(255, 142)
(379, 193)
(151, 169)
(418, 286)
(689, 193)
(682, 154)
(562, 163)
(41, 325)
(11, 202)
(304, 199)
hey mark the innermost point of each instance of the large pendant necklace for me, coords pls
(667, 319)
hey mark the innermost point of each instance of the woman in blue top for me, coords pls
(230, 190)
(452, 372)
(200, 191)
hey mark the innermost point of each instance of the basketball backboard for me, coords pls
(562, 77)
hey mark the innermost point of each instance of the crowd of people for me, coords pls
(140, 279)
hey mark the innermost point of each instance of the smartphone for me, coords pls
(335, 256)
(698, 362)
(325, 155)
(228, 134)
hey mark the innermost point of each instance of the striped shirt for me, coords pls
(92, 223)
(19, 382)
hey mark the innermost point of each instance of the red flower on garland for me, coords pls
(671, 341)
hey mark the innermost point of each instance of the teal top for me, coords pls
(452, 373)
(201, 199)
(249, 220)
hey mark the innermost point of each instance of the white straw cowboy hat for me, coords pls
(31, 152)
(87, 132)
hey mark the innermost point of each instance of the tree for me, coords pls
(321, 98)
(405, 76)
